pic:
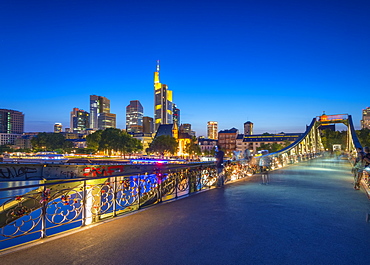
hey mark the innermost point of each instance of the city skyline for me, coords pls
(276, 64)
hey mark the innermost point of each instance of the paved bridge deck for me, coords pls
(310, 214)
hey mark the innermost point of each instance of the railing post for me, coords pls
(84, 204)
(159, 177)
(138, 191)
(176, 184)
(44, 201)
(115, 197)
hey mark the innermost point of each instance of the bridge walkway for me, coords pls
(309, 214)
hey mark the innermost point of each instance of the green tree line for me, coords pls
(113, 140)
(51, 142)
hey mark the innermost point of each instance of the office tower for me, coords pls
(365, 122)
(185, 128)
(134, 117)
(98, 105)
(163, 106)
(212, 129)
(248, 128)
(11, 125)
(80, 120)
(176, 115)
(57, 128)
(11, 121)
(107, 120)
(148, 125)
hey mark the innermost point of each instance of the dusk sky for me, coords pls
(276, 63)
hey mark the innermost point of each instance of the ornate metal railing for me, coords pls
(31, 212)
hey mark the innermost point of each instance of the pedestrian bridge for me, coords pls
(310, 214)
(64, 197)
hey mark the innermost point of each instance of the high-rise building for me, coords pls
(148, 125)
(58, 128)
(212, 129)
(98, 105)
(80, 120)
(11, 121)
(185, 128)
(163, 106)
(107, 120)
(176, 115)
(11, 125)
(248, 128)
(134, 117)
(365, 122)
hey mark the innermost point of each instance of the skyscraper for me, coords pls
(98, 105)
(163, 106)
(212, 130)
(134, 117)
(148, 126)
(11, 125)
(176, 115)
(106, 120)
(365, 122)
(11, 121)
(80, 120)
(185, 128)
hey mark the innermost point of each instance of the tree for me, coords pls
(163, 144)
(110, 141)
(50, 142)
(5, 148)
(128, 144)
(363, 136)
(275, 147)
(192, 148)
(93, 140)
(264, 147)
(113, 140)
(329, 137)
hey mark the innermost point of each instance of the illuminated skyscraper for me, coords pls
(80, 120)
(98, 105)
(107, 120)
(163, 106)
(365, 122)
(212, 130)
(134, 117)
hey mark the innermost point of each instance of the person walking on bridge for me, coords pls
(366, 164)
(264, 164)
(359, 167)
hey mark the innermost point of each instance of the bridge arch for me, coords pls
(310, 144)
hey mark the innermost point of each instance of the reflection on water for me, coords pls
(9, 194)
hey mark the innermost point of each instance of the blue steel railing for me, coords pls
(40, 210)
(36, 211)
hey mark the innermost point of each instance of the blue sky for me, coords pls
(276, 63)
